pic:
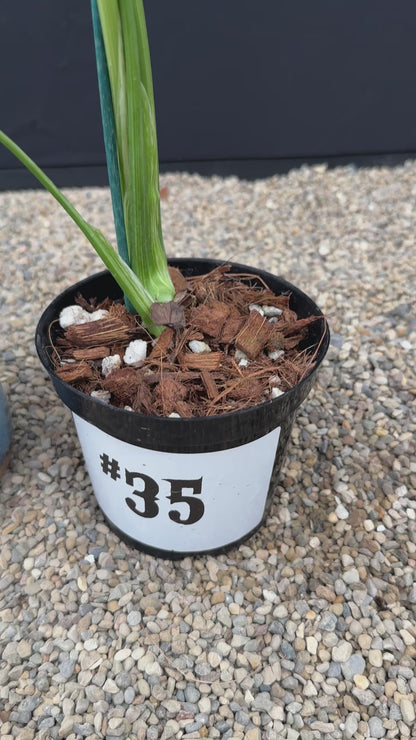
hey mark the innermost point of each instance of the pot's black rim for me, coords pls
(186, 434)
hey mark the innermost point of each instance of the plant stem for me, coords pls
(128, 60)
(110, 142)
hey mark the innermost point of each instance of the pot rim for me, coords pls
(268, 413)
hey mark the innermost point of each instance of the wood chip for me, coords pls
(247, 388)
(276, 338)
(210, 317)
(231, 329)
(184, 409)
(74, 371)
(143, 402)
(101, 332)
(210, 384)
(169, 393)
(185, 376)
(93, 353)
(254, 335)
(162, 344)
(178, 280)
(299, 324)
(119, 311)
(205, 361)
(122, 384)
(292, 341)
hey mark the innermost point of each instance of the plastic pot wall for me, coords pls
(5, 432)
(175, 487)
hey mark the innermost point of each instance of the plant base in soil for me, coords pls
(254, 348)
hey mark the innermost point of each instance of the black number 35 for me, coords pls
(148, 494)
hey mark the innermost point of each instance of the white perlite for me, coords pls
(271, 311)
(100, 313)
(102, 396)
(109, 364)
(241, 358)
(255, 307)
(275, 354)
(198, 347)
(74, 315)
(135, 352)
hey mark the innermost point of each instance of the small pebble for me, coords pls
(376, 728)
(341, 652)
(407, 708)
(341, 512)
(361, 681)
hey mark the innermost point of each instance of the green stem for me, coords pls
(110, 142)
(128, 59)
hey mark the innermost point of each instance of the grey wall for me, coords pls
(242, 86)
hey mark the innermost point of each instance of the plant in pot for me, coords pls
(183, 377)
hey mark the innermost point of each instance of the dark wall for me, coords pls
(242, 86)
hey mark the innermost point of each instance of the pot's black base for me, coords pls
(174, 554)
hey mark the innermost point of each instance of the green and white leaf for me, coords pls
(129, 282)
(146, 279)
(128, 61)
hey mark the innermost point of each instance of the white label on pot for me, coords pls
(176, 501)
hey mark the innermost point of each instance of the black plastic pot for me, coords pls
(5, 432)
(175, 487)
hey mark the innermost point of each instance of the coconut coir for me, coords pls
(249, 336)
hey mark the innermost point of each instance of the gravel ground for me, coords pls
(309, 629)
